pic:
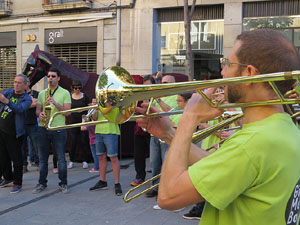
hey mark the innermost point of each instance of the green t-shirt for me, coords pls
(106, 128)
(253, 179)
(61, 96)
(211, 139)
(169, 100)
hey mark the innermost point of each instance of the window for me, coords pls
(7, 66)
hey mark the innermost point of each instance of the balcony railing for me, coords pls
(5, 9)
(58, 5)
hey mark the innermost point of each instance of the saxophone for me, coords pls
(47, 108)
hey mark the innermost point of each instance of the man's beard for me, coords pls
(233, 94)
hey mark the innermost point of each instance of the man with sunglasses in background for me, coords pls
(58, 99)
(254, 177)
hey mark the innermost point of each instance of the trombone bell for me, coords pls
(111, 94)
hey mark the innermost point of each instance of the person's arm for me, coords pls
(34, 102)
(165, 107)
(176, 189)
(39, 113)
(19, 107)
(161, 127)
(65, 106)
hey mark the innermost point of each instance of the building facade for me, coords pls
(85, 33)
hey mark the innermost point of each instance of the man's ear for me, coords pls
(252, 70)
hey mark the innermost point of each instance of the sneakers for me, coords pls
(70, 165)
(64, 188)
(118, 189)
(38, 188)
(55, 170)
(136, 182)
(94, 171)
(99, 185)
(193, 214)
(16, 189)
(85, 165)
(156, 207)
(151, 194)
(5, 183)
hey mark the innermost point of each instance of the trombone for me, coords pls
(197, 137)
(115, 88)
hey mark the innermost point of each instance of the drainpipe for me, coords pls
(118, 50)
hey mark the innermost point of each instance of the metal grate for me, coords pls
(271, 8)
(8, 58)
(202, 12)
(51, 2)
(83, 56)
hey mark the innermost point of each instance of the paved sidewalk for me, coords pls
(81, 206)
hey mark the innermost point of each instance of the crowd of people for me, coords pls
(247, 177)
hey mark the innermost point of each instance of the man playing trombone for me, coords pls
(254, 177)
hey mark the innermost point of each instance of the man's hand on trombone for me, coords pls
(198, 110)
(175, 182)
(160, 127)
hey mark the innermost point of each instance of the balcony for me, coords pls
(5, 9)
(60, 5)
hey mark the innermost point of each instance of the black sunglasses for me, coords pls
(76, 87)
(53, 76)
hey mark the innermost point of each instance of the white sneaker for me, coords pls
(85, 165)
(70, 165)
(178, 210)
(156, 207)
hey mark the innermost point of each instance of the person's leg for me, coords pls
(84, 138)
(5, 161)
(33, 135)
(101, 152)
(95, 157)
(73, 143)
(29, 146)
(111, 142)
(15, 153)
(103, 166)
(54, 159)
(24, 148)
(141, 147)
(164, 149)
(155, 158)
(58, 139)
(43, 152)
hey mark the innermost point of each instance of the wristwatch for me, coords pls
(158, 100)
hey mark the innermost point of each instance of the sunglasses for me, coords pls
(53, 76)
(76, 87)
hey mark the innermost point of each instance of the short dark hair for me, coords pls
(54, 70)
(187, 95)
(76, 83)
(270, 52)
(149, 77)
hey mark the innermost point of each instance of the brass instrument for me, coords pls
(47, 108)
(197, 137)
(116, 88)
(90, 113)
